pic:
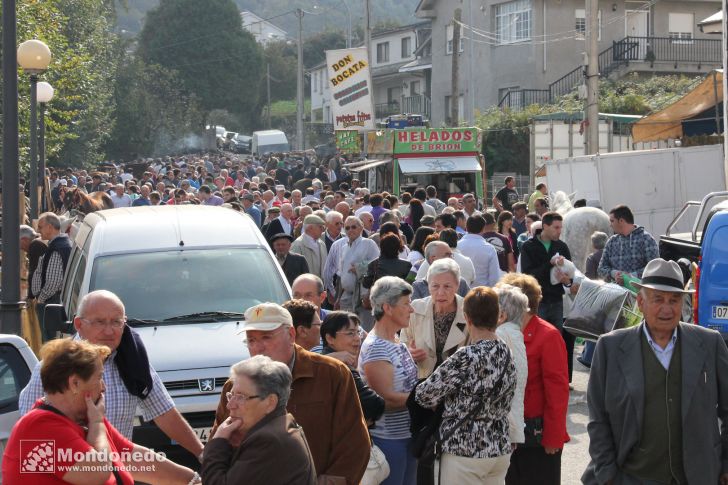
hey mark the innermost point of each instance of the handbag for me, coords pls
(533, 431)
(377, 469)
(367, 282)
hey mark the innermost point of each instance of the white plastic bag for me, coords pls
(567, 267)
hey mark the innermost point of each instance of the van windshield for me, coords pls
(166, 284)
(274, 148)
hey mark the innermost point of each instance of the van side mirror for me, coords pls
(56, 320)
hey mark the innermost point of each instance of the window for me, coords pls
(14, 376)
(513, 21)
(315, 81)
(580, 25)
(382, 52)
(680, 28)
(450, 33)
(406, 47)
(414, 88)
(321, 82)
(393, 95)
(461, 107)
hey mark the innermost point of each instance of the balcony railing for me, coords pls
(418, 105)
(621, 53)
(382, 110)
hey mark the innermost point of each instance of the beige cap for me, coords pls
(266, 317)
(313, 219)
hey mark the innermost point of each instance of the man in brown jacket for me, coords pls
(323, 396)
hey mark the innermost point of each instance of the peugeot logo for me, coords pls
(206, 385)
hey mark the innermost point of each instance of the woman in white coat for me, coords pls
(437, 325)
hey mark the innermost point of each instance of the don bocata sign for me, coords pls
(350, 82)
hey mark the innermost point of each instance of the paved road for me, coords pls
(576, 451)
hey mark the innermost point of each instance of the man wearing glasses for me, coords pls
(323, 397)
(101, 320)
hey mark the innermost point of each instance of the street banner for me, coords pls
(348, 141)
(350, 82)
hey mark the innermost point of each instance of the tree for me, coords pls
(154, 114)
(217, 61)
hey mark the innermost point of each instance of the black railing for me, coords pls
(383, 110)
(621, 53)
(320, 128)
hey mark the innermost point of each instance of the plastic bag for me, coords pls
(567, 267)
(599, 308)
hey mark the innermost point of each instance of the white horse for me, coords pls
(579, 225)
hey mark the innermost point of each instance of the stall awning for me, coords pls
(667, 123)
(371, 164)
(441, 164)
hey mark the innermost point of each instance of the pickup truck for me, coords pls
(706, 246)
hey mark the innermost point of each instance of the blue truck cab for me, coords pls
(712, 288)
(706, 246)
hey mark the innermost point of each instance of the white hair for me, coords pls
(512, 301)
(443, 266)
(331, 214)
(387, 290)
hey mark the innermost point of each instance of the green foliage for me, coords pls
(204, 42)
(154, 114)
(83, 65)
(506, 141)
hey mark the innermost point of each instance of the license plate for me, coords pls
(720, 312)
(203, 434)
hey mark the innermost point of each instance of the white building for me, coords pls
(262, 30)
(400, 75)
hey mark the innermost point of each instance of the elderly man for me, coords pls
(348, 262)
(323, 397)
(310, 287)
(434, 251)
(143, 199)
(131, 382)
(292, 264)
(35, 248)
(47, 283)
(120, 198)
(367, 220)
(283, 223)
(334, 225)
(658, 394)
(344, 209)
(310, 246)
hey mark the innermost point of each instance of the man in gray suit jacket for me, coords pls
(656, 394)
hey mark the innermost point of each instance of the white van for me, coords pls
(186, 275)
(270, 141)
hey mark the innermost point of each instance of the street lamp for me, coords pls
(34, 57)
(45, 95)
(348, 32)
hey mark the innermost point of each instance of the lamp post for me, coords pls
(34, 57)
(10, 303)
(45, 95)
(348, 25)
(299, 83)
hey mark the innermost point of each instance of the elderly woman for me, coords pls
(437, 325)
(546, 398)
(341, 332)
(67, 439)
(513, 304)
(389, 369)
(272, 448)
(475, 386)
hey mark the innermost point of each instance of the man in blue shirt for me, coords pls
(250, 208)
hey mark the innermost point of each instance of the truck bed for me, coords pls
(676, 246)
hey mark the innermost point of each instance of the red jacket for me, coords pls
(547, 387)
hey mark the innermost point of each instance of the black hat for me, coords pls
(281, 235)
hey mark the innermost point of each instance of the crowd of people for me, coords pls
(402, 305)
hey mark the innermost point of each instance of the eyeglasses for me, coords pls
(349, 228)
(349, 333)
(98, 323)
(239, 397)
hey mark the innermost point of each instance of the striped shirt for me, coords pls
(392, 424)
(120, 404)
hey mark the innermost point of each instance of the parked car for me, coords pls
(705, 246)
(269, 141)
(241, 144)
(184, 275)
(17, 361)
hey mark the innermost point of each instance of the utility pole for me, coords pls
(592, 77)
(454, 94)
(368, 32)
(267, 75)
(471, 53)
(299, 84)
(348, 25)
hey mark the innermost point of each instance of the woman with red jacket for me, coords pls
(546, 399)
